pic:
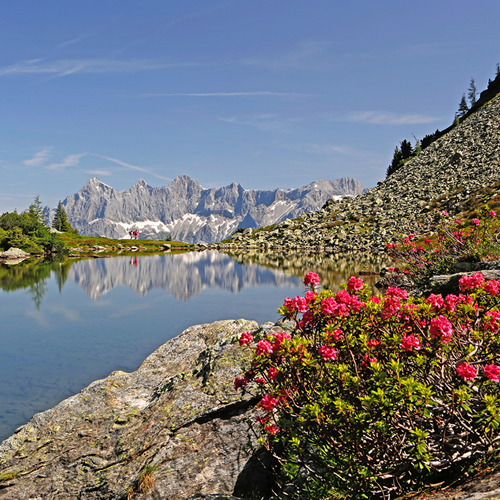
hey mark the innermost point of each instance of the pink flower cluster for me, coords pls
(471, 281)
(297, 304)
(268, 403)
(466, 371)
(410, 342)
(492, 372)
(355, 284)
(441, 329)
(327, 352)
(246, 338)
(311, 279)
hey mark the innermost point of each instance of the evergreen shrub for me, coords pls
(370, 396)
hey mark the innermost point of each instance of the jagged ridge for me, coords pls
(187, 212)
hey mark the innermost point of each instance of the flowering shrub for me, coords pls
(455, 242)
(370, 395)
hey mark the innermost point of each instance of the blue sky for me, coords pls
(267, 93)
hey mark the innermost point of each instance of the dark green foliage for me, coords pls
(430, 138)
(401, 156)
(472, 92)
(462, 107)
(498, 70)
(61, 222)
(28, 232)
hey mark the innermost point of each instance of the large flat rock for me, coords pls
(172, 429)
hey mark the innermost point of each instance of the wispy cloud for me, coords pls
(69, 314)
(79, 38)
(99, 172)
(267, 123)
(39, 158)
(385, 118)
(235, 94)
(68, 161)
(133, 167)
(64, 67)
(308, 55)
(334, 150)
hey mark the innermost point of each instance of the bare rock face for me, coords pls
(14, 253)
(187, 212)
(173, 429)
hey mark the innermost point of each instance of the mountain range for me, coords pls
(185, 211)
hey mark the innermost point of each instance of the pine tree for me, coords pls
(462, 107)
(60, 221)
(498, 70)
(395, 164)
(35, 210)
(406, 149)
(472, 92)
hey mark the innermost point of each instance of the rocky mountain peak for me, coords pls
(187, 212)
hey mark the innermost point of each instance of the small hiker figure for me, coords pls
(131, 234)
(134, 261)
(136, 234)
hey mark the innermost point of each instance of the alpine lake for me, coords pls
(67, 322)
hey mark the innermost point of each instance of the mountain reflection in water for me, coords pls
(186, 275)
(66, 323)
(183, 275)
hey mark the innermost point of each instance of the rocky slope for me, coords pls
(443, 177)
(187, 212)
(172, 429)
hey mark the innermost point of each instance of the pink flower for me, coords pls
(240, 382)
(310, 297)
(375, 299)
(470, 282)
(260, 380)
(476, 222)
(356, 304)
(272, 373)
(311, 279)
(492, 372)
(491, 321)
(329, 307)
(373, 343)
(397, 292)
(391, 306)
(327, 352)
(458, 221)
(272, 429)
(278, 340)
(337, 334)
(343, 297)
(492, 213)
(491, 287)
(355, 284)
(268, 403)
(435, 300)
(451, 302)
(245, 338)
(466, 371)
(410, 342)
(367, 359)
(441, 329)
(263, 347)
(445, 213)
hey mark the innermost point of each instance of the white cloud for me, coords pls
(133, 167)
(64, 67)
(386, 118)
(39, 158)
(68, 161)
(234, 94)
(98, 172)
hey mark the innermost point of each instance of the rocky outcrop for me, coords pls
(186, 212)
(172, 429)
(13, 256)
(444, 176)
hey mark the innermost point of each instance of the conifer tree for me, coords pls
(498, 70)
(35, 210)
(60, 221)
(462, 107)
(472, 92)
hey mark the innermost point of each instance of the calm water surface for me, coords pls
(64, 325)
